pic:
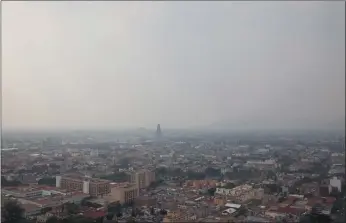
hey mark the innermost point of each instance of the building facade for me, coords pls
(335, 182)
(143, 178)
(23, 192)
(125, 193)
(94, 187)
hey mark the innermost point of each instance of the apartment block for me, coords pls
(143, 178)
(124, 193)
(93, 186)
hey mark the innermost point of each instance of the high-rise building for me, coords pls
(143, 178)
(158, 131)
(66, 165)
(93, 186)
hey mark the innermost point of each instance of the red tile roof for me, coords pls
(313, 201)
(94, 214)
(30, 207)
(290, 210)
(330, 200)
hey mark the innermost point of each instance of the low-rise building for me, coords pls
(220, 201)
(124, 193)
(176, 216)
(31, 209)
(22, 192)
(54, 201)
(199, 184)
(145, 201)
(234, 191)
(93, 186)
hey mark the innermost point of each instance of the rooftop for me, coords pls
(232, 205)
(123, 185)
(21, 189)
(33, 188)
(84, 178)
(94, 214)
(49, 188)
(30, 207)
(288, 210)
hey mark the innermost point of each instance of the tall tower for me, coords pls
(67, 162)
(158, 131)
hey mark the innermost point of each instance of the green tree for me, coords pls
(71, 208)
(117, 177)
(130, 220)
(156, 183)
(242, 211)
(161, 171)
(230, 185)
(109, 216)
(191, 175)
(50, 181)
(124, 162)
(152, 211)
(211, 191)
(45, 210)
(212, 172)
(12, 212)
(163, 212)
(114, 207)
(85, 201)
(134, 213)
(78, 219)
(52, 219)
(9, 183)
(177, 172)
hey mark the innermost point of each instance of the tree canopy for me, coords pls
(12, 212)
(9, 183)
(49, 181)
(71, 208)
(114, 207)
(116, 177)
(212, 172)
(52, 219)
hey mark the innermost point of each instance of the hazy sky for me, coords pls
(181, 64)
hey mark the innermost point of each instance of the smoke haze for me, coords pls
(180, 64)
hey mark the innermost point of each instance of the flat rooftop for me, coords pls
(56, 198)
(84, 178)
(122, 185)
(22, 189)
(27, 189)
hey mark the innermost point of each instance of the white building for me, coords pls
(269, 163)
(335, 182)
(228, 211)
(58, 181)
(234, 191)
(223, 191)
(86, 186)
(232, 205)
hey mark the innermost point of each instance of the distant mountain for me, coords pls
(284, 125)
